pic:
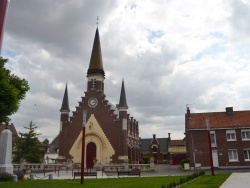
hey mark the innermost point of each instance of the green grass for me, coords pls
(208, 181)
(143, 182)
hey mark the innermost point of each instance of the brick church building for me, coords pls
(111, 135)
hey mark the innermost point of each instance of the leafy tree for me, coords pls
(28, 147)
(13, 90)
(45, 144)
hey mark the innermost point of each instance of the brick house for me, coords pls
(156, 148)
(111, 135)
(177, 151)
(230, 138)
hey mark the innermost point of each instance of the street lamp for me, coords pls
(84, 115)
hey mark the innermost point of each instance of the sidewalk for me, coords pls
(238, 179)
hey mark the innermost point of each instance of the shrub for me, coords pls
(163, 186)
(201, 172)
(195, 175)
(20, 176)
(183, 161)
(182, 180)
(4, 177)
(174, 184)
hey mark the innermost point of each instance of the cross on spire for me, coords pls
(97, 21)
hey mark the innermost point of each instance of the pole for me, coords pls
(209, 147)
(84, 114)
(3, 13)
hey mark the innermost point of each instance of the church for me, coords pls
(111, 135)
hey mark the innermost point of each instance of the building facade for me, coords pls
(155, 148)
(177, 151)
(111, 135)
(229, 134)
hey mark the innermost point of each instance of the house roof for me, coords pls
(145, 144)
(232, 119)
(177, 143)
(11, 128)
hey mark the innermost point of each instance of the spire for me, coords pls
(123, 101)
(95, 65)
(65, 103)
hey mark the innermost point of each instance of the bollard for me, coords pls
(50, 176)
(31, 176)
(14, 178)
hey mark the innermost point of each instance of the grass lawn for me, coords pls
(134, 182)
(208, 181)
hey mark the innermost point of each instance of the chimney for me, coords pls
(169, 137)
(229, 110)
(188, 111)
(153, 136)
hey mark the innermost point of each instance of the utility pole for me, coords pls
(84, 116)
(209, 146)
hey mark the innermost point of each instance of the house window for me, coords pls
(233, 155)
(231, 135)
(93, 84)
(247, 154)
(213, 138)
(245, 134)
(154, 149)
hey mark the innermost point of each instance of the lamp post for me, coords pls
(84, 115)
(209, 146)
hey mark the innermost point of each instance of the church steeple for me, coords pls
(123, 101)
(96, 74)
(65, 102)
(95, 65)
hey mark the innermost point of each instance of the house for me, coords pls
(111, 135)
(156, 148)
(229, 133)
(177, 151)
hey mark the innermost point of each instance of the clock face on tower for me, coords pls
(92, 102)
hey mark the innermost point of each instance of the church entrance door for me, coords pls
(91, 155)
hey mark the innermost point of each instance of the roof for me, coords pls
(65, 102)
(177, 143)
(95, 64)
(11, 128)
(234, 119)
(145, 144)
(123, 101)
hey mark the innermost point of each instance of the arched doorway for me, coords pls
(91, 154)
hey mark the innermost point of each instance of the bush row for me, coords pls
(184, 180)
(5, 177)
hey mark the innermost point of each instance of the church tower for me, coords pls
(96, 74)
(122, 107)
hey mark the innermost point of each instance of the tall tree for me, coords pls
(28, 147)
(13, 90)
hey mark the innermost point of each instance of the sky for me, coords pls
(171, 55)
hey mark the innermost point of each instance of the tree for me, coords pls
(13, 90)
(28, 147)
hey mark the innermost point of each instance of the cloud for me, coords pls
(170, 54)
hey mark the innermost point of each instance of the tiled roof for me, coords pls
(145, 144)
(11, 127)
(177, 143)
(219, 120)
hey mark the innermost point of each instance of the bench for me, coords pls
(129, 173)
(85, 174)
